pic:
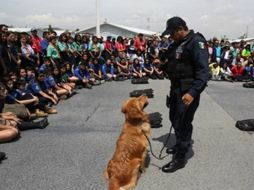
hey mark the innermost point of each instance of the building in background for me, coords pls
(114, 30)
(25, 30)
(39, 30)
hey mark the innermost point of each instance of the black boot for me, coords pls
(172, 150)
(177, 162)
(175, 148)
(41, 124)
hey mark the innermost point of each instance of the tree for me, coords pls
(50, 29)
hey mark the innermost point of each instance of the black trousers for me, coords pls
(181, 118)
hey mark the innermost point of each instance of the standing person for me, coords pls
(13, 52)
(140, 43)
(108, 48)
(52, 51)
(217, 50)
(187, 69)
(44, 43)
(153, 51)
(120, 47)
(36, 44)
(95, 48)
(4, 57)
(163, 46)
(62, 47)
(29, 57)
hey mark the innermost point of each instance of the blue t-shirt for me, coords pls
(96, 67)
(23, 94)
(218, 51)
(44, 45)
(11, 97)
(148, 65)
(34, 88)
(81, 74)
(43, 68)
(137, 67)
(50, 81)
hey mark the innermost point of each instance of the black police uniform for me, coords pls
(187, 68)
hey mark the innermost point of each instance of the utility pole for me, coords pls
(247, 31)
(98, 17)
(148, 23)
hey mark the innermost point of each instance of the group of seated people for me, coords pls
(36, 73)
(231, 61)
(240, 71)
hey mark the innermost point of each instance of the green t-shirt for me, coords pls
(246, 53)
(65, 78)
(52, 52)
(62, 46)
(72, 46)
(77, 46)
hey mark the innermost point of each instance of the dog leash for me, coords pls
(150, 145)
(168, 137)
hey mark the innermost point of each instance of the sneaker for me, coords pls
(40, 113)
(63, 97)
(74, 92)
(51, 111)
(96, 82)
(108, 79)
(88, 86)
(78, 87)
(102, 81)
(33, 116)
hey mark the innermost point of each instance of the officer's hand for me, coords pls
(187, 99)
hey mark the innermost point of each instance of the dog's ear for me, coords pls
(135, 114)
(124, 107)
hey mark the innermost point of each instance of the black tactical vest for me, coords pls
(179, 63)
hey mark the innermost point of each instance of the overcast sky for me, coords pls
(217, 18)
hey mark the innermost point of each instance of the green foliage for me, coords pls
(50, 29)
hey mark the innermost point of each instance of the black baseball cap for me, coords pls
(173, 24)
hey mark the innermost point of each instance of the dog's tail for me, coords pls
(114, 184)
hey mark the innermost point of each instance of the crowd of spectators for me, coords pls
(37, 72)
(231, 61)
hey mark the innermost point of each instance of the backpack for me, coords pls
(245, 125)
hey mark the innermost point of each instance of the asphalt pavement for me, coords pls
(73, 151)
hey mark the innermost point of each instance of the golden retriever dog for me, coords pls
(124, 168)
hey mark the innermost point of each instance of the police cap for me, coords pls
(173, 24)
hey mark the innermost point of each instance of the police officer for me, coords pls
(187, 67)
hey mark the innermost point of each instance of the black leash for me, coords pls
(168, 137)
(150, 145)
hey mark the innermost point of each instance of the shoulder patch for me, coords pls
(201, 45)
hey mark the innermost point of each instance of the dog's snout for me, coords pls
(144, 100)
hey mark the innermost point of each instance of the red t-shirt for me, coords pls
(120, 47)
(108, 46)
(140, 44)
(237, 70)
(36, 44)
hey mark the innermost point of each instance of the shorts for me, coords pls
(19, 110)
